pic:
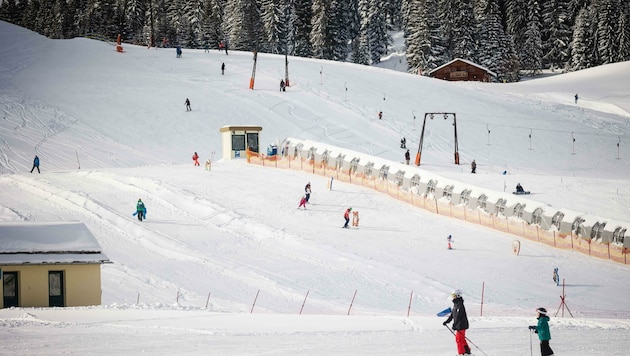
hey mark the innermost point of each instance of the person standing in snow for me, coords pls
(307, 191)
(346, 216)
(473, 167)
(407, 157)
(36, 164)
(542, 329)
(282, 85)
(195, 158)
(576, 98)
(460, 322)
(222, 68)
(141, 210)
(187, 103)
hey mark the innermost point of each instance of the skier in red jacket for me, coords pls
(346, 216)
(195, 158)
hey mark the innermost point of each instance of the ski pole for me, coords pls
(449, 329)
(531, 351)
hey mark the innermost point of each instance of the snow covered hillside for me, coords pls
(225, 262)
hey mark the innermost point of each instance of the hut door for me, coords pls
(55, 289)
(10, 289)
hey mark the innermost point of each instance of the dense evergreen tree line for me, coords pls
(507, 36)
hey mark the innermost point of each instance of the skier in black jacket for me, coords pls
(460, 322)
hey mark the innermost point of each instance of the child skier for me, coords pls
(141, 210)
(346, 216)
(460, 322)
(195, 158)
(449, 239)
(542, 329)
(302, 203)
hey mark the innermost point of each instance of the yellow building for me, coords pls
(51, 264)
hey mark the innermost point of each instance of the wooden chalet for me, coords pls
(462, 70)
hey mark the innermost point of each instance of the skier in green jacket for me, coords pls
(542, 329)
(141, 210)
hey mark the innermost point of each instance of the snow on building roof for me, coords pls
(48, 242)
(467, 62)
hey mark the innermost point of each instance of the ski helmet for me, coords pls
(457, 293)
(542, 311)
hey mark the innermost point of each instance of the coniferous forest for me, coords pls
(510, 37)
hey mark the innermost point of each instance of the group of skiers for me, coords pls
(307, 195)
(460, 325)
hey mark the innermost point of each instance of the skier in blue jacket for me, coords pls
(36, 164)
(542, 329)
